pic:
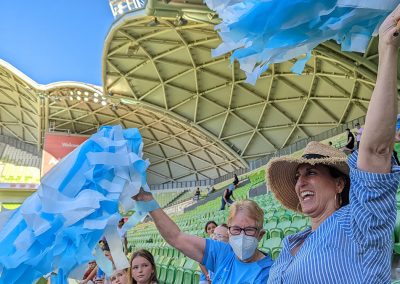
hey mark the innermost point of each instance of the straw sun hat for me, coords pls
(281, 171)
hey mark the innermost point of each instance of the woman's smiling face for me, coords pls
(317, 190)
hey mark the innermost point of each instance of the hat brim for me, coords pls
(281, 176)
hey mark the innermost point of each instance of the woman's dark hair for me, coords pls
(208, 223)
(147, 255)
(224, 225)
(345, 194)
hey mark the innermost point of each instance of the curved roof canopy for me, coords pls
(164, 64)
(198, 118)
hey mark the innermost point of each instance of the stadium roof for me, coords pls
(198, 118)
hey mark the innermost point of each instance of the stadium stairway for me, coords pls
(212, 196)
(171, 202)
(259, 190)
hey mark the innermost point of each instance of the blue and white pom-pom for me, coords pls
(263, 32)
(56, 229)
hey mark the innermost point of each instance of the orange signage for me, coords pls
(57, 146)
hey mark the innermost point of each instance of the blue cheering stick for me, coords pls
(55, 231)
(263, 32)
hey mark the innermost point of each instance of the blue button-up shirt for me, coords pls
(353, 245)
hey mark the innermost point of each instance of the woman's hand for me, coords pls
(143, 196)
(389, 31)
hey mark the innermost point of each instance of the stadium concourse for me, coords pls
(200, 121)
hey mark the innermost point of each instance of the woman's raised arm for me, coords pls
(378, 136)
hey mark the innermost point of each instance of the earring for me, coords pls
(338, 200)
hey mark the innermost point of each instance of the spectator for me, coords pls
(210, 190)
(122, 235)
(237, 262)
(358, 134)
(119, 277)
(205, 275)
(226, 198)
(349, 147)
(90, 273)
(210, 227)
(197, 194)
(143, 268)
(235, 181)
(221, 233)
(350, 239)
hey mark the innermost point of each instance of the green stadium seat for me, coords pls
(163, 268)
(170, 252)
(275, 253)
(190, 267)
(289, 231)
(181, 271)
(279, 230)
(196, 277)
(268, 227)
(270, 244)
(285, 217)
(299, 223)
(171, 270)
(296, 217)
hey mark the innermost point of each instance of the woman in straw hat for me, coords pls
(351, 204)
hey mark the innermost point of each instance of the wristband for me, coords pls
(147, 206)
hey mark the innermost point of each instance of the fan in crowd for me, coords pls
(143, 268)
(240, 261)
(205, 275)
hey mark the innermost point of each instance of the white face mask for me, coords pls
(243, 246)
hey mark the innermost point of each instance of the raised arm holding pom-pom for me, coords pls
(189, 245)
(380, 124)
(237, 262)
(351, 202)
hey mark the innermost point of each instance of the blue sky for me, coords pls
(55, 40)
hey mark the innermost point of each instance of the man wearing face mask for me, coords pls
(236, 262)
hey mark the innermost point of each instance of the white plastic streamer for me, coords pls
(55, 230)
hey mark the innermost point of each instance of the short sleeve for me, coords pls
(372, 204)
(214, 253)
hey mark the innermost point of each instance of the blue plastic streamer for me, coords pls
(263, 32)
(58, 227)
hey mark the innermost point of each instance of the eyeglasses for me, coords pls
(248, 231)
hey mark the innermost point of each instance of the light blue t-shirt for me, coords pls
(220, 258)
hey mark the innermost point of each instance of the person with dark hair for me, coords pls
(349, 147)
(197, 194)
(143, 268)
(235, 181)
(227, 197)
(205, 276)
(351, 203)
(90, 273)
(209, 227)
